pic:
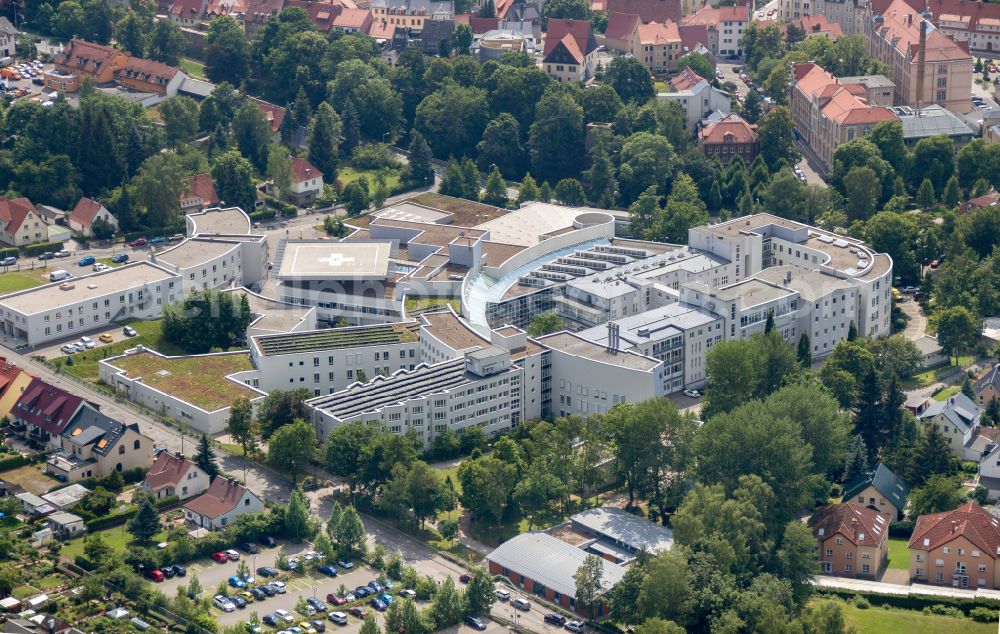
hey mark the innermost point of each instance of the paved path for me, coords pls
(916, 326)
(861, 585)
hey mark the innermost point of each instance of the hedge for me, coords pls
(14, 462)
(909, 601)
(902, 528)
(42, 247)
(6, 253)
(286, 209)
(264, 214)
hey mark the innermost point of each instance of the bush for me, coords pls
(286, 209)
(909, 601)
(42, 247)
(84, 563)
(860, 602)
(4, 253)
(903, 528)
(13, 462)
(970, 467)
(983, 615)
(944, 610)
(374, 157)
(263, 214)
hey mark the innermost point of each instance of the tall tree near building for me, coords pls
(528, 189)
(298, 521)
(291, 448)
(567, 9)
(402, 617)
(421, 169)
(479, 593)
(925, 194)
(496, 189)
(253, 134)
(227, 52)
(351, 531)
(555, 142)
(958, 330)
(931, 457)
(588, 583)
(501, 146)
(486, 487)
(205, 457)
(158, 187)
(145, 523)
(279, 168)
(630, 79)
(775, 140)
(804, 351)
(180, 119)
(797, 560)
(939, 494)
(281, 407)
(132, 33)
(868, 412)
(234, 182)
(856, 463)
(952, 195)
(667, 590)
(167, 43)
(370, 625)
(241, 424)
(448, 606)
(570, 192)
(324, 138)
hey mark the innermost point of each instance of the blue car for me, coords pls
(378, 604)
(328, 570)
(87, 261)
(118, 258)
(387, 598)
(376, 586)
(236, 582)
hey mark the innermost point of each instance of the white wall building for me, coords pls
(221, 504)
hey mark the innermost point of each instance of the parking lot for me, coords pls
(25, 85)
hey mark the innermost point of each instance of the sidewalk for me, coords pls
(862, 585)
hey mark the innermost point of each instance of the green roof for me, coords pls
(333, 338)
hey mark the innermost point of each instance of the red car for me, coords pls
(220, 557)
(358, 612)
(157, 575)
(141, 242)
(465, 578)
(334, 599)
(935, 264)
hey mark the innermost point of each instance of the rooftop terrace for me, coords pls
(230, 220)
(333, 338)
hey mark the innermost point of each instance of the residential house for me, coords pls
(931, 353)
(79, 59)
(187, 13)
(173, 474)
(971, 24)
(477, 24)
(570, 50)
(307, 182)
(987, 387)
(654, 10)
(828, 113)
(730, 137)
(852, 540)
(146, 75)
(275, 115)
(13, 381)
(258, 12)
(697, 96)
(659, 46)
(989, 465)
(436, 36)
(957, 417)
(957, 548)
(879, 489)
(982, 443)
(819, 25)
(221, 504)
(411, 14)
(927, 66)
(65, 525)
(622, 32)
(21, 223)
(725, 27)
(88, 210)
(8, 38)
(43, 412)
(979, 202)
(352, 20)
(94, 445)
(199, 194)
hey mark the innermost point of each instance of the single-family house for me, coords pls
(21, 223)
(983, 440)
(221, 504)
(43, 412)
(8, 38)
(728, 138)
(88, 211)
(989, 467)
(13, 382)
(957, 417)
(187, 13)
(979, 202)
(173, 474)
(696, 96)
(988, 387)
(274, 115)
(931, 352)
(199, 194)
(957, 548)
(570, 50)
(622, 32)
(852, 540)
(307, 182)
(66, 525)
(879, 489)
(94, 445)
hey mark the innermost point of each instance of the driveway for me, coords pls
(916, 326)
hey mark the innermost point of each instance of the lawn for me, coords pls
(899, 554)
(887, 621)
(927, 378)
(148, 333)
(198, 380)
(423, 303)
(18, 281)
(349, 174)
(193, 68)
(467, 213)
(31, 477)
(116, 537)
(946, 392)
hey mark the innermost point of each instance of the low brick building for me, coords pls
(729, 138)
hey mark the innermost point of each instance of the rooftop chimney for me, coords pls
(921, 62)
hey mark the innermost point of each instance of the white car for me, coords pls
(284, 615)
(340, 618)
(101, 266)
(87, 342)
(692, 393)
(345, 564)
(279, 587)
(223, 603)
(68, 348)
(233, 555)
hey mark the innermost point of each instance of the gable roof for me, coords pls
(8, 373)
(969, 520)
(167, 470)
(303, 170)
(621, 25)
(901, 25)
(274, 114)
(858, 524)
(731, 129)
(186, 9)
(990, 378)
(85, 211)
(221, 497)
(648, 10)
(958, 409)
(91, 427)
(13, 211)
(149, 71)
(353, 18)
(818, 25)
(687, 79)
(579, 31)
(659, 33)
(891, 486)
(47, 407)
(693, 36)
(712, 17)
(202, 186)
(86, 57)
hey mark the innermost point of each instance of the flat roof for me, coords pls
(549, 561)
(466, 213)
(635, 532)
(809, 284)
(86, 288)
(526, 225)
(335, 338)
(496, 253)
(653, 325)
(66, 496)
(229, 220)
(578, 346)
(751, 292)
(272, 314)
(412, 212)
(322, 260)
(195, 252)
(447, 328)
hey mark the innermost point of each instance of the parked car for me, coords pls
(555, 619)
(267, 571)
(68, 348)
(178, 569)
(106, 338)
(100, 267)
(268, 541)
(236, 582)
(475, 622)
(346, 564)
(220, 557)
(268, 590)
(307, 628)
(176, 236)
(158, 240)
(87, 260)
(692, 393)
(284, 615)
(279, 587)
(130, 332)
(141, 242)
(119, 258)
(258, 594)
(318, 625)
(87, 342)
(239, 601)
(48, 255)
(335, 599)
(223, 603)
(358, 611)
(408, 593)
(248, 547)
(270, 620)
(378, 604)
(521, 604)
(465, 577)
(247, 596)
(328, 570)
(339, 618)
(157, 575)
(376, 586)
(317, 605)
(501, 594)
(233, 555)
(8, 261)
(168, 572)
(575, 626)
(362, 591)
(62, 253)
(387, 598)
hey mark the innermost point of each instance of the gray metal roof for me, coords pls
(621, 526)
(928, 121)
(958, 408)
(549, 561)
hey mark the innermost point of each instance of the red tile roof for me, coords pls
(621, 25)
(648, 10)
(502, 7)
(693, 35)
(969, 520)
(85, 211)
(579, 31)
(656, 33)
(818, 24)
(349, 18)
(201, 185)
(902, 26)
(8, 372)
(13, 211)
(381, 30)
(986, 200)
(714, 16)
(732, 129)
(187, 9)
(687, 79)
(167, 471)
(857, 524)
(148, 70)
(969, 12)
(274, 114)
(303, 170)
(221, 497)
(46, 406)
(86, 57)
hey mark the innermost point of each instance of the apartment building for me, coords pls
(850, 15)
(570, 50)
(973, 25)
(79, 59)
(958, 548)
(728, 138)
(95, 445)
(852, 541)
(659, 46)
(410, 14)
(327, 360)
(725, 27)
(926, 65)
(697, 96)
(828, 112)
(622, 32)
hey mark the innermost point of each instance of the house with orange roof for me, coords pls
(13, 381)
(659, 46)
(655, 10)
(79, 59)
(21, 223)
(274, 115)
(927, 66)
(818, 25)
(199, 194)
(725, 27)
(86, 212)
(221, 504)
(958, 548)
(968, 22)
(851, 540)
(146, 75)
(622, 32)
(570, 50)
(728, 138)
(173, 474)
(851, 15)
(828, 112)
(307, 182)
(352, 20)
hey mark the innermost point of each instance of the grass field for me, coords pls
(193, 68)
(148, 333)
(32, 477)
(18, 281)
(197, 380)
(899, 554)
(116, 537)
(887, 621)
(349, 174)
(946, 392)
(427, 302)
